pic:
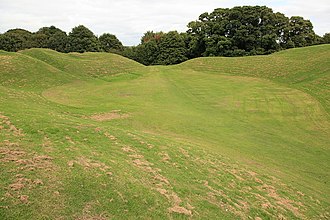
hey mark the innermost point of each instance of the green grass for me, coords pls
(211, 138)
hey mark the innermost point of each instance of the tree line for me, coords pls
(231, 32)
(80, 39)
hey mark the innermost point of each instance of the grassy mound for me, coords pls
(306, 69)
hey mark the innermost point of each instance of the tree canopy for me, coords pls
(237, 31)
(81, 39)
(52, 38)
(247, 30)
(110, 43)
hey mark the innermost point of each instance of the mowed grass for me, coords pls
(98, 136)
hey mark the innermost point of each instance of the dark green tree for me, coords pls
(52, 38)
(148, 51)
(299, 33)
(7, 43)
(151, 36)
(81, 39)
(172, 49)
(326, 38)
(195, 40)
(40, 40)
(110, 43)
(246, 30)
(17, 39)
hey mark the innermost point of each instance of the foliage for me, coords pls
(298, 33)
(110, 43)
(237, 31)
(172, 49)
(81, 39)
(159, 49)
(326, 38)
(247, 30)
(16, 39)
(52, 38)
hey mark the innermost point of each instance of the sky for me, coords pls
(129, 19)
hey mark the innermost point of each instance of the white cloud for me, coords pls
(129, 19)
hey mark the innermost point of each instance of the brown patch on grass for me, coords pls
(38, 182)
(128, 149)
(180, 210)
(111, 137)
(284, 202)
(165, 156)
(158, 180)
(116, 114)
(16, 186)
(184, 152)
(98, 129)
(87, 213)
(20, 160)
(47, 144)
(161, 178)
(11, 155)
(300, 193)
(69, 139)
(142, 163)
(24, 198)
(70, 163)
(43, 157)
(121, 196)
(9, 126)
(90, 164)
(136, 156)
(177, 208)
(236, 173)
(162, 191)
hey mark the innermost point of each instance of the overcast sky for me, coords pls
(129, 19)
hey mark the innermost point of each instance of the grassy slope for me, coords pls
(306, 69)
(201, 139)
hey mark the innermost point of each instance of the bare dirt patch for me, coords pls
(158, 182)
(88, 210)
(110, 116)
(24, 198)
(90, 164)
(24, 165)
(111, 137)
(165, 156)
(7, 125)
(180, 209)
(128, 149)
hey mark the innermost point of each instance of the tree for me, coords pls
(195, 42)
(110, 43)
(16, 39)
(7, 43)
(81, 39)
(52, 38)
(40, 40)
(171, 49)
(148, 51)
(299, 33)
(326, 38)
(246, 30)
(151, 36)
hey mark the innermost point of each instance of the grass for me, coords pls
(98, 136)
